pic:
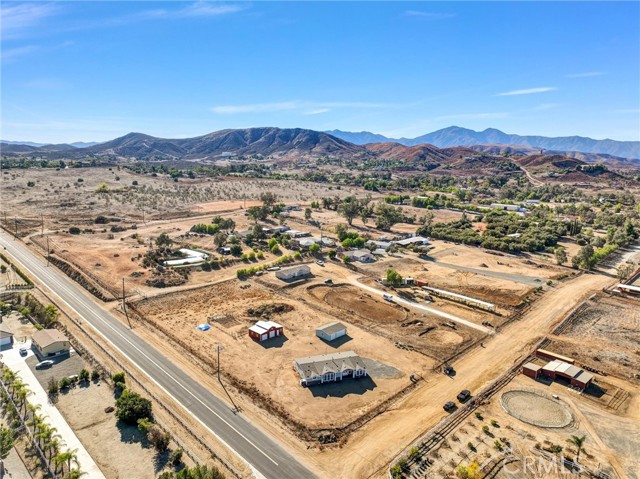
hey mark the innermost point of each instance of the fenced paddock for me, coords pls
(536, 408)
(462, 299)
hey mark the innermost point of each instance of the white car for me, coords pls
(44, 364)
(387, 297)
(320, 262)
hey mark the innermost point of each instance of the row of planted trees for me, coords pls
(25, 417)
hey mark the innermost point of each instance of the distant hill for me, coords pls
(280, 142)
(84, 144)
(25, 148)
(457, 136)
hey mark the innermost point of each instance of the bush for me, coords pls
(130, 407)
(74, 230)
(494, 423)
(118, 377)
(83, 376)
(64, 383)
(176, 457)
(52, 387)
(485, 429)
(158, 438)
(95, 375)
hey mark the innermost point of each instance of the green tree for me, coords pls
(393, 277)
(7, 440)
(130, 407)
(164, 240)
(387, 216)
(578, 442)
(314, 248)
(350, 208)
(307, 213)
(561, 255)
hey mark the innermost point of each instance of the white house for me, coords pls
(6, 336)
(293, 272)
(190, 257)
(362, 255)
(331, 331)
(414, 240)
(329, 368)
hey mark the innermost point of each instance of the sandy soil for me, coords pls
(225, 307)
(106, 440)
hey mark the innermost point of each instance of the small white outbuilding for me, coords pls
(331, 331)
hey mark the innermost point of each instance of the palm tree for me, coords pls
(75, 474)
(67, 458)
(36, 420)
(578, 442)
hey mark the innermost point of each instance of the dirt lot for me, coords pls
(605, 336)
(422, 332)
(609, 436)
(108, 441)
(225, 306)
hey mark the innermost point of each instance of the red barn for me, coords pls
(264, 330)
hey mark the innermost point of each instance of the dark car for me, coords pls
(23, 351)
(448, 370)
(464, 395)
(449, 406)
(328, 281)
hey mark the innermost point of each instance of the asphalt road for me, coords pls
(266, 458)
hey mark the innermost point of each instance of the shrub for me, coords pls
(95, 375)
(64, 383)
(83, 376)
(52, 387)
(130, 407)
(332, 253)
(485, 429)
(74, 230)
(275, 249)
(118, 377)
(260, 255)
(494, 423)
(176, 457)
(479, 416)
(158, 438)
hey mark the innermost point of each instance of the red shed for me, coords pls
(531, 370)
(264, 330)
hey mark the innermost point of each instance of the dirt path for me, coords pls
(534, 181)
(375, 445)
(516, 278)
(353, 280)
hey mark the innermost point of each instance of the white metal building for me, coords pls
(331, 331)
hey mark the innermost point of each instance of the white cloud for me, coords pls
(585, 75)
(19, 18)
(527, 91)
(305, 107)
(197, 9)
(11, 53)
(428, 15)
(317, 111)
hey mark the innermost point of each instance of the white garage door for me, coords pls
(272, 334)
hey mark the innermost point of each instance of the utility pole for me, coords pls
(48, 250)
(124, 305)
(42, 227)
(15, 222)
(219, 347)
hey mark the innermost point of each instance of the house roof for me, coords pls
(47, 337)
(295, 269)
(563, 368)
(332, 328)
(412, 240)
(532, 367)
(314, 366)
(262, 327)
(5, 332)
(584, 377)
(359, 253)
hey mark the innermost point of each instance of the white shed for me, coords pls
(331, 331)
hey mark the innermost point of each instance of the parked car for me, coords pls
(449, 406)
(387, 297)
(23, 351)
(320, 262)
(448, 370)
(44, 364)
(328, 281)
(464, 395)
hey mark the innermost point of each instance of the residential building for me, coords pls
(293, 272)
(6, 336)
(414, 240)
(50, 342)
(329, 368)
(362, 255)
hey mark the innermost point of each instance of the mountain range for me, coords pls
(298, 143)
(457, 136)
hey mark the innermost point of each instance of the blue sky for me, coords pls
(92, 71)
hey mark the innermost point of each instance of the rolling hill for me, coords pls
(457, 136)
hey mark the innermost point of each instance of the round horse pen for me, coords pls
(536, 408)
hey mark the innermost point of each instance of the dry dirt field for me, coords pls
(605, 336)
(107, 441)
(611, 438)
(423, 332)
(270, 370)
